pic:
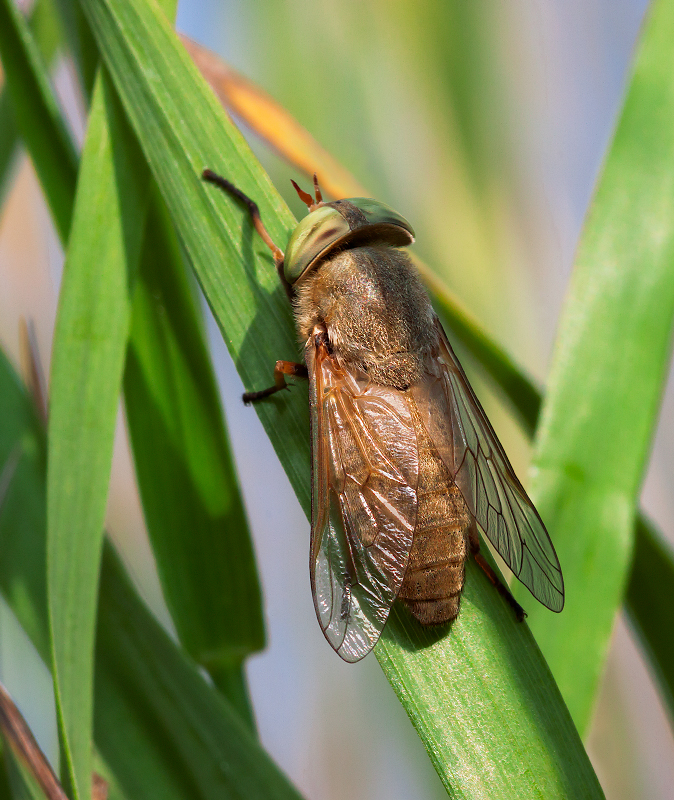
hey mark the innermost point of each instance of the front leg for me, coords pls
(254, 211)
(281, 369)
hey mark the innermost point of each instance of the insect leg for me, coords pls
(503, 590)
(277, 253)
(281, 369)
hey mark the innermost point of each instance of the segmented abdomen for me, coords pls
(435, 573)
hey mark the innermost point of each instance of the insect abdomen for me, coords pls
(435, 572)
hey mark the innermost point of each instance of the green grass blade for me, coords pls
(484, 702)
(23, 571)
(9, 140)
(37, 115)
(88, 359)
(81, 43)
(650, 604)
(182, 130)
(248, 297)
(187, 480)
(216, 755)
(6, 766)
(607, 377)
(188, 484)
(163, 732)
(46, 34)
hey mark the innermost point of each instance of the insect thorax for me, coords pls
(376, 310)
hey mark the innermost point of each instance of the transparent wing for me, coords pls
(469, 447)
(364, 503)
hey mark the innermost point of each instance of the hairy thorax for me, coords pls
(376, 311)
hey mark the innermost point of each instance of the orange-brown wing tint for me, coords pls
(364, 502)
(473, 454)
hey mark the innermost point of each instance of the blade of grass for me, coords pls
(187, 481)
(608, 373)
(215, 754)
(81, 44)
(164, 733)
(182, 129)
(188, 485)
(45, 31)
(649, 604)
(9, 141)
(6, 792)
(90, 339)
(37, 116)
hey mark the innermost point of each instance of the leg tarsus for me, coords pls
(281, 369)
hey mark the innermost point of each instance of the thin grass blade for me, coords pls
(610, 363)
(187, 481)
(164, 733)
(81, 43)
(213, 752)
(37, 115)
(46, 34)
(90, 340)
(649, 604)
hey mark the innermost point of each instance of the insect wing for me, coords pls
(364, 501)
(472, 452)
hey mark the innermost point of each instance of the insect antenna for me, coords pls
(317, 190)
(306, 198)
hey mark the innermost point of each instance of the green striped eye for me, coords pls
(355, 222)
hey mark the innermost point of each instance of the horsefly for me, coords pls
(405, 464)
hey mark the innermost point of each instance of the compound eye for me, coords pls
(356, 222)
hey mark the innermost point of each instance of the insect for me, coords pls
(405, 464)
